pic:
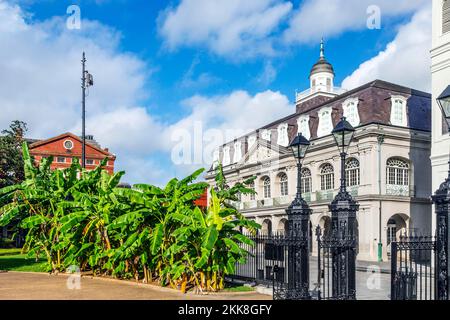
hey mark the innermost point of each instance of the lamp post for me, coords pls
(298, 214)
(86, 81)
(343, 222)
(441, 200)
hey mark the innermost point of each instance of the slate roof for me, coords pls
(374, 107)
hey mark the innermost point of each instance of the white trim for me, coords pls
(306, 132)
(321, 130)
(226, 156)
(266, 134)
(404, 122)
(237, 152)
(64, 144)
(283, 138)
(346, 106)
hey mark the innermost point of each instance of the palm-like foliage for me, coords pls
(84, 219)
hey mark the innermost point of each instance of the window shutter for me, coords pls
(446, 16)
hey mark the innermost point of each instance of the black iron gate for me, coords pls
(413, 268)
(336, 265)
(291, 281)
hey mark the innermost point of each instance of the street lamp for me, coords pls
(441, 200)
(444, 103)
(298, 214)
(299, 146)
(343, 135)
(87, 80)
(343, 222)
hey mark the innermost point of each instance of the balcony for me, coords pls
(398, 190)
(284, 200)
(324, 195)
(268, 202)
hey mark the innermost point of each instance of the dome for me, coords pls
(322, 65)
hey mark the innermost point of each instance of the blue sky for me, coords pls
(162, 66)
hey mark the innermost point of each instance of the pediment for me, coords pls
(262, 151)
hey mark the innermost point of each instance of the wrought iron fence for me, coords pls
(336, 265)
(268, 251)
(413, 269)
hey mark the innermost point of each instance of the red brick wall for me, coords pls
(203, 200)
(56, 149)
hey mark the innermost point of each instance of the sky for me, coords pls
(175, 79)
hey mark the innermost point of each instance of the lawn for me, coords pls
(13, 260)
(237, 288)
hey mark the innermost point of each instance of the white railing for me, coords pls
(308, 92)
(398, 190)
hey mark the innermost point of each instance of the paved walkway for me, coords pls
(40, 286)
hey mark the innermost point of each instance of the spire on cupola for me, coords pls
(322, 73)
(322, 50)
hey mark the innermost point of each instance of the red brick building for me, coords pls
(67, 146)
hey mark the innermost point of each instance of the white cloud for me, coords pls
(405, 61)
(234, 28)
(191, 81)
(40, 74)
(323, 18)
(268, 75)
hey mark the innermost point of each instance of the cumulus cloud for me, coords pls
(338, 16)
(234, 28)
(406, 60)
(245, 29)
(40, 74)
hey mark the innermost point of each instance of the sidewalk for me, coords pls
(363, 266)
(385, 266)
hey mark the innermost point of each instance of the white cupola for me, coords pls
(322, 74)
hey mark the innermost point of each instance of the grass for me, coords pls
(13, 260)
(8, 252)
(237, 288)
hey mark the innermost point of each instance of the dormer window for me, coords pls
(226, 156)
(283, 139)
(325, 122)
(445, 16)
(266, 135)
(398, 111)
(251, 141)
(216, 156)
(350, 108)
(237, 152)
(303, 126)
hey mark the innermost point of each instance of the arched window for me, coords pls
(397, 172)
(306, 181)
(266, 187)
(266, 227)
(252, 186)
(445, 16)
(352, 172)
(283, 184)
(327, 177)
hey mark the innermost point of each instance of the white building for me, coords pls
(440, 69)
(388, 168)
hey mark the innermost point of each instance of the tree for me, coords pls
(11, 161)
(83, 218)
